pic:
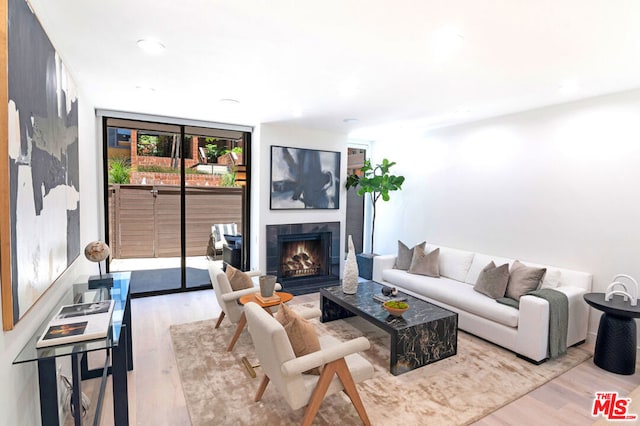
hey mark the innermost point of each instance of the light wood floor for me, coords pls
(156, 397)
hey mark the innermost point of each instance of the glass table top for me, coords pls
(80, 293)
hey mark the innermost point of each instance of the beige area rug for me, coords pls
(461, 389)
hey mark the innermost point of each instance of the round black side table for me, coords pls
(615, 349)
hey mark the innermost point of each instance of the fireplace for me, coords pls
(304, 257)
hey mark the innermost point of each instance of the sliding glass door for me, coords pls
(168, 185)
(214, 194)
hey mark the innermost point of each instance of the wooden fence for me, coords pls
(144, 220)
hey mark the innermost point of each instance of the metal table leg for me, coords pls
(48, 392)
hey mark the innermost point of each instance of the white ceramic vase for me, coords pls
(350, 277)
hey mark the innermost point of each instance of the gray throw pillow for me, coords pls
(493, 280)
(405, 255)
(424, 263)
(523, 279)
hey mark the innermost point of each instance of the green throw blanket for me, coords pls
(558, 317)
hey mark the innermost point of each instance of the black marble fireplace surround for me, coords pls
(305, 284)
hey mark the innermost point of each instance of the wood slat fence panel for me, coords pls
(134, 220)
(203, 210)
(145, 219)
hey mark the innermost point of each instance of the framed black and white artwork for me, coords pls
(304, 178)
(40, 200)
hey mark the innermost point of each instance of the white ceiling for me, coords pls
(374, 60)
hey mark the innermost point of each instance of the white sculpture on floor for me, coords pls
(629, 289)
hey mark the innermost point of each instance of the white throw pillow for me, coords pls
(454, 263)
(551, 279)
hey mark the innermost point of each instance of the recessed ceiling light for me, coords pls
(350, 120)
(229, 101)
(151, 46)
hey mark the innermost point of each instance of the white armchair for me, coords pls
(228, 298)
(343, 366)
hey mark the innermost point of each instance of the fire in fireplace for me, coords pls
(304, 255)
(300, 259)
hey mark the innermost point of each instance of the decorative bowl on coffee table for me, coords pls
(395, 307)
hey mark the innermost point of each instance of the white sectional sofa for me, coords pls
(524, 331)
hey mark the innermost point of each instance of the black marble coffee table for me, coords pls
(424, 334)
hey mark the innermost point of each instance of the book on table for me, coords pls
(266, 300)
(76, 323)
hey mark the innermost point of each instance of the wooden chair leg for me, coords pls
(262, 388)
(234, 339)
(350, 389)
(340, 368)
(220, 318)
(318, 393)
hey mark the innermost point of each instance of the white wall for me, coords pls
(557, 186)
(264, 137)
(19, 397)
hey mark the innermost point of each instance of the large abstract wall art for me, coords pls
(40, 233)
(304, 178)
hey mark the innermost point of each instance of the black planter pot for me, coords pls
(365, 265)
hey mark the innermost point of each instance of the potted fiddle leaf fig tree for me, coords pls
(376, 181)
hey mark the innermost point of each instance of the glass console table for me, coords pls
(117, 346)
